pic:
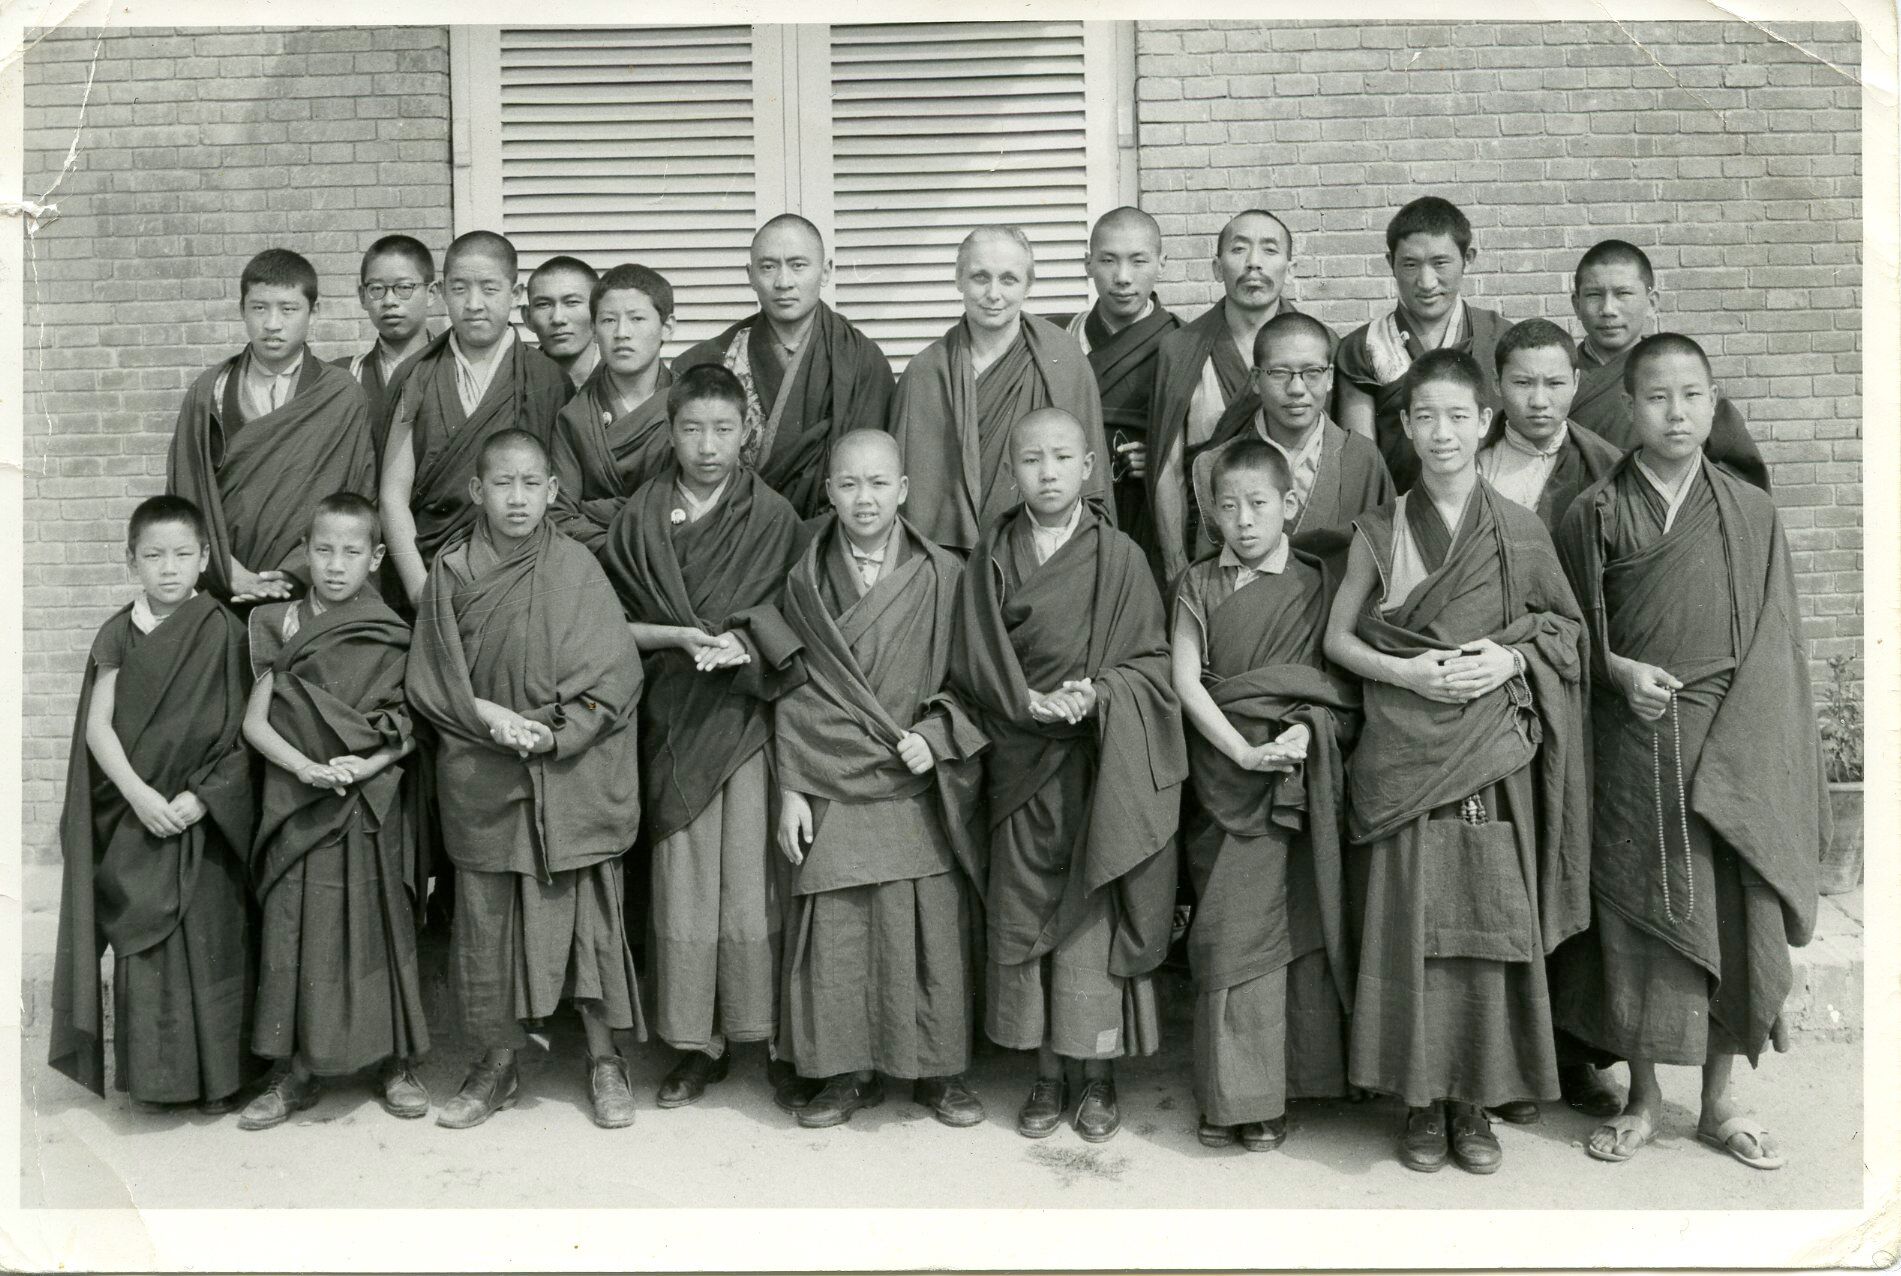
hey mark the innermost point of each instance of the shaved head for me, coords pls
(1235, 223)
(511, 443)
(861, 446)
(1049, 419)
(795, 223)
(482, 243)
(1126, 221)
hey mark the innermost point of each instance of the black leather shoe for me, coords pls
(1042, 1112)
(1474, 1146)
(1423, 1145)
(688, 1081)
(1587, 1089)
(490, 1088)
(1517, 1112)
(790, 1091)
(950, 1100)
(401, 1091)
(1097, 1116)
(284, 1098)
(608, 1092)
(1264, 1136)
(1215, 1136)
(843, 1095)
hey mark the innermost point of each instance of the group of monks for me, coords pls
(1441, 682)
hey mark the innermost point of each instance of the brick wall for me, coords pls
(199, 148)
(1733, 158)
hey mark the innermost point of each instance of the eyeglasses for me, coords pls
(376, 292)
(1282, 378)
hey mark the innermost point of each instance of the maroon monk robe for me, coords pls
(526, 393)
(258, 482)
(1602, 405)
(1712, 601)
(1075, 811)
(842, 382)
(884, 840)
(954, 429)
(601, 456)
(176, 911)
(724, 572)
(338, 983)
(1582, 460)
(1268, 872)
(1451, 1000)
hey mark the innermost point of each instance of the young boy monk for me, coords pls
(265, 434)
(1614, 295)
(395, 285)
(158, 818)
(1429, 248)
(698, 557)
(1268, 946)
(337, 982)
(472, 382)
(877, 775)
(1710, 810)
(1536, 455)
(612, 435)
(532, 685)
(1466, 792)
(1062, 651)
(1335, 475)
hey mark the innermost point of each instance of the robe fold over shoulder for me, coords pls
(1500, 580)
(1603, 406)
(834, 737)
(724, 572)
(178, 709)
(1585, 458)
(602, 458)
(536, 632)
(955, 456)
(843, 383)
(1122, 830)
(258, 482)
(336, 689)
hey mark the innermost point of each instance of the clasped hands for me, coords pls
(710, 651)
(1460, 676)
(1071, 702)
(512, 731)
(1283, 753)
(339, 774)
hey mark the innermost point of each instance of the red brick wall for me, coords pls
(1733, 158)
(199, 148)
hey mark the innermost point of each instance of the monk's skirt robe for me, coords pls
(176, 911)
(878, 961)
(1082, 870)
(1703, 970)
(1273, 975)
(536, 841)
(1466, 821)
(718, 889)
(338, 984)
(953, 426)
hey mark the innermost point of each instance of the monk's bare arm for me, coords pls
(399, 524)
(1420, 674)
(151, 806)
(275, 749)
(1356, 410)
(1197, 705)
(649, 637)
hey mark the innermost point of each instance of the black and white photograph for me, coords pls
(826, 638)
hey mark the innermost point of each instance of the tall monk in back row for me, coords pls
(1614, 294)
(810, 377)
(474, 381)
(1122, 335)
(265, 435)
(960, 397)
(1204, 367)
(558, 309)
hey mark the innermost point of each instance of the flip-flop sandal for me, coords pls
(1615, 1154)
(1754, 1130)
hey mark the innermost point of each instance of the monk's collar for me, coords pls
(788, 348)
(1519, 443)
(584, 365)
(692, 508)
(1588, 352)
(1272, 563)
(495, 352)
(1147, 310)
(145, 620)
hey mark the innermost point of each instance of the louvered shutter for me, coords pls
(938, 127)
(623, 144)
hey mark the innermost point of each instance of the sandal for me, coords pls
(1620, 1125)
(1743, 1127)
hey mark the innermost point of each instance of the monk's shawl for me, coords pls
(876, 672)
(724, 572)
(955, 454)
(601, 458)
(1603, 406)
(178, 710)
(535, 632)
(336, 690)
(1499, 580)
(257, 483)
(1582, 460)
(1092, 612)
